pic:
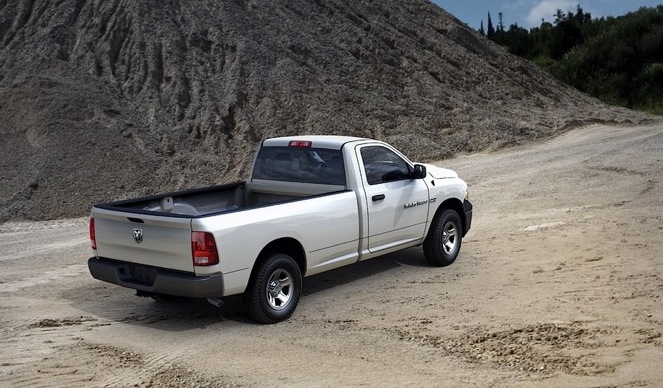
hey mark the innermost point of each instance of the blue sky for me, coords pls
(528, 13)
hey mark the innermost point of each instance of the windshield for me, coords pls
(300, 164)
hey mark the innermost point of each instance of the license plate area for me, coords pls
(138, 274)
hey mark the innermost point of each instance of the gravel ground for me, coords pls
(558, 284)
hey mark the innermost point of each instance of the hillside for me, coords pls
(102, 100)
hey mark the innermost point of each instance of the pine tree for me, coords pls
(491, 29)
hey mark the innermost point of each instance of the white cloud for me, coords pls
(547, 9)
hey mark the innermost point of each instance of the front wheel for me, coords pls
(273, 292)
(442, 244)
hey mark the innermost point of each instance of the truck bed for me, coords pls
(220, 199)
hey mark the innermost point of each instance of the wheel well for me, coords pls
(455, 205)
(289, 246)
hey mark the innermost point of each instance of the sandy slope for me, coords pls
(107, 100)
(559, 283)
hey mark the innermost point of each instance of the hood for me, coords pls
(439, 172)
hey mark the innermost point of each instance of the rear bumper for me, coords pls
(156, 280)
(468, 217)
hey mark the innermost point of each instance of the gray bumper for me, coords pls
(156, 280)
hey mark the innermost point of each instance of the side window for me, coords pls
(383, 165)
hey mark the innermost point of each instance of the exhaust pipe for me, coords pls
(216, 302)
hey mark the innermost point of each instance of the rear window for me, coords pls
(300, 164)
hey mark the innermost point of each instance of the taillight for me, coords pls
(203, 249)
(93, 237)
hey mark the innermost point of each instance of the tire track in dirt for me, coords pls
(22, 240)
(68, 272)
(65, 358)
(39, 341)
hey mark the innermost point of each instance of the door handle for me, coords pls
(378, 197)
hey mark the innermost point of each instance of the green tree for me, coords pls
(617, 59)
(491, 29)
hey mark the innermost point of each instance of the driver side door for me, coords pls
(397, 204)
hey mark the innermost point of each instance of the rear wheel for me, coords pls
(274, 290)
(442, 244)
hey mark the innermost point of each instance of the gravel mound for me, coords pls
(111, 99)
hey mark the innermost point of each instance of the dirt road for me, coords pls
(559, 283)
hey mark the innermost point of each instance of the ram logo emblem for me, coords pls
(138, 235)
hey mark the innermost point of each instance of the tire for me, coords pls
(442, 245)
(273, 291)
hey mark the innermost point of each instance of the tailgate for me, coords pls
(154, 240)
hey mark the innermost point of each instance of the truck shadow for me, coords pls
(363, 269)
(112, 304)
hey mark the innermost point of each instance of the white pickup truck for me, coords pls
(312, 204)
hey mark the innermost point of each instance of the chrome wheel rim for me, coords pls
(449, 237)
(279, 289)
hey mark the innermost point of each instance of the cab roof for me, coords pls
(316, 141)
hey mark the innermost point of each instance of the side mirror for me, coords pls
(419, 172)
